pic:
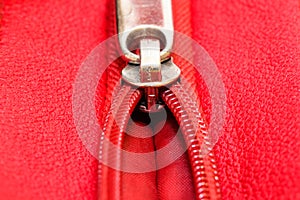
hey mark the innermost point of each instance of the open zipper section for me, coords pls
(203, 165)
(185, 109)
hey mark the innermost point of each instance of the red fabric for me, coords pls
(254, 44)
(256, 48)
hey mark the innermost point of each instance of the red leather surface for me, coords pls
(254, 44)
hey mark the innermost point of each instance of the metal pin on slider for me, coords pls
(152, 74)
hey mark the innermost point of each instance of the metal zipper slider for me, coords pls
(147, 26)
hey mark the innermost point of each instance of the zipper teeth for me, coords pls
(203, 168)
(124, 102)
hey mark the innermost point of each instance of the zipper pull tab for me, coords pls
(148, 24)
(140, 19)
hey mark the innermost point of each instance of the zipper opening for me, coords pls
(205, 188)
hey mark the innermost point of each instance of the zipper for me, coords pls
(148, 27)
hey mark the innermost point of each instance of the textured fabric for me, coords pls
(42, 45)
(255, 45)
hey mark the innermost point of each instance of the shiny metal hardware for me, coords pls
(140, 19)
(169, 74)
(150, 70)
(151, 74)
(150, 67)
(147, 26)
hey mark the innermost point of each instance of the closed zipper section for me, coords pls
(185, 109)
